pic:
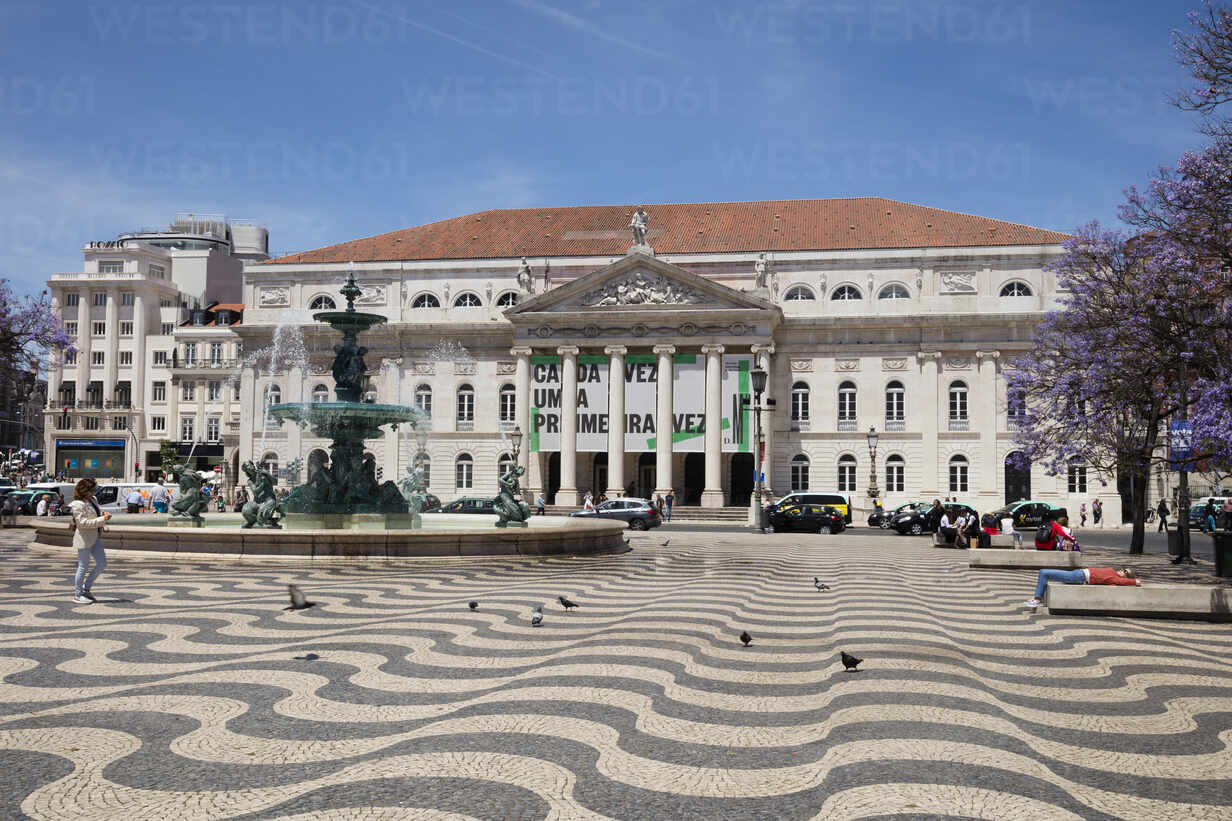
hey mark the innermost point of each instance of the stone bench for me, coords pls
(1155, 601)
(1025, 559)
(996, 540)
(939, 541)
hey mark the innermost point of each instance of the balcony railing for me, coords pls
(797, 424)
(848, 424)
(91, 404)
(467, 425)
(206, 364)
(101, 275)
(895, 424)
(1011, 423)
(960, 423)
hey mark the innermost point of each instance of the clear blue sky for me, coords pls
(333, 120)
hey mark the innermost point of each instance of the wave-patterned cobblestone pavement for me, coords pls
(179, 695)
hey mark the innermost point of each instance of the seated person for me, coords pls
(948, 527)
(1087, 575)
(1060, 537)
(1007, 529)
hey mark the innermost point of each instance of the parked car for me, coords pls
(468, 504)
(809, 518)
(1197, 510)
(1030, 514)
(883, 518)
(808, 497)
(27, 500)
(916, 521)
(641, 514)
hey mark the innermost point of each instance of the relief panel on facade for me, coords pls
(372, 295)
(273, 297)
(958, 282)
(641, 288)
(846, 364)
(897, 363)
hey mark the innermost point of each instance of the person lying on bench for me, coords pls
(1087, 575)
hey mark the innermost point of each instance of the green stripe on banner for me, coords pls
(593, 359)
(686, 359)
(534, 431)
(641, 358)
(544, 359)
(683, 435)
(746, 411)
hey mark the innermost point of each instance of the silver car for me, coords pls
(641, 514)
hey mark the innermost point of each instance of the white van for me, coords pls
(65, 489)
(111, 496)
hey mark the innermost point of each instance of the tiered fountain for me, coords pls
(344, 492)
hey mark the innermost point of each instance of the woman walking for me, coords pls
(88, 521)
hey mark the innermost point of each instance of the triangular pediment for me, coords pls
(639, 282)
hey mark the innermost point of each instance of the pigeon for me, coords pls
(666, 542)
(298, 601)
(565, 603)
(307, 657)
(474, 605)
(820, 585)
(536, 618)
(849, 661)
(746, 638)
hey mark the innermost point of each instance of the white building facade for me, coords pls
(866, 313)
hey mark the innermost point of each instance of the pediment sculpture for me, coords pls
(640, 288)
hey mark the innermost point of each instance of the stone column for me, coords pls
(763, 358)
(712, 493)
(140, 367)
(250, 417)
(173, 407)
(931, 423)
(663, 423)
(111, 345)
(84, 343)
(986, 397)
(521, 384)
(568, 493)
(55, 373)
(615, 420)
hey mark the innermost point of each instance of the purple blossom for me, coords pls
(29, 328)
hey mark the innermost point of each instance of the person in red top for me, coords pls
(1061, 537)
(1087, 575)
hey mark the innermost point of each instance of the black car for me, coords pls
(468, 504)
(1029, 515)
(882, 518)
(924, 520)
(809, 518)
(641, 514)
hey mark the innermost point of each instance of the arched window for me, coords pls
(798, 293)
(1076, 476)
(320, 393)
(846, 293)
(799, 472)
(467, 300)
(893, 291)
(273, 395)
(1016, 289)
(895, 472)
(847, 406)
(426, 301)
(466, 404)
(507, 299)
(425, 464)
(800, 402)
(269, 464)
(464, 472)
(958, 401)
(846, 473)
(1015, 407)
(958, 474)
(322, 303)
(504, 464)
(895, 403)
(423, 398)
(508, 403)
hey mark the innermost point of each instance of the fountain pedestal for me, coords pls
(185, 523)
(352, 521)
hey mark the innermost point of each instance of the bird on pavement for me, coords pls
(746, 638)
(307, 657)
(565, 603)
(849, 661)
(298, 600)
(666, 542)
(474, 605)
(536, 618)
(819, 584)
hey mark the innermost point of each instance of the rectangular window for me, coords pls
(895, 477)
(70, 357)
(846, 477)
(846, 406)
(158, 272)
(466, 406)
(126, 328)
(187, 428)
(100, 299)
(799, 475)
(189, 392)
(98, 358)
(91, 423)
(464, 475)
(98, 328)
(126, 297)
(212, 426)
(165, 302)
(799, 404)
(895, 406)
(159, 392)
(70, 328)
(71, 299)
(215, 353)
(958, 403)
(167, 328)
(190, 353)
(119, 423)
(160, 358)
(126, 357)
(213, 391)
(958, 477)
(158, 423)
(423, 399)
(508, 406)
(1077, 478)
(110, 266)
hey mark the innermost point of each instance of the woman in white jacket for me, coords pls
(88, 521)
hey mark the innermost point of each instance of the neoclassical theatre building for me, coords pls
(620, 342)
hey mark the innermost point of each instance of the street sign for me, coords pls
(218, 468)
(1180, 444)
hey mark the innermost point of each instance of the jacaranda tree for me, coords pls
(28, 330)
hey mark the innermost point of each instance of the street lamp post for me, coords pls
(758, 377)
(873, 490)
(515, 437)
(421, 442)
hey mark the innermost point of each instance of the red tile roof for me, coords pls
(684, 228)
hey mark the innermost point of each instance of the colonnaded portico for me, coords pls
(683, 399)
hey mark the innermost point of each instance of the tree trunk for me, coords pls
(1138, 540)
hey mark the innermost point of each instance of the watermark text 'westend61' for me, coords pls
(256, 23)
(796, 22)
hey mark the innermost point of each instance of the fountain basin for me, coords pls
(442, 535)
(329, 418)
